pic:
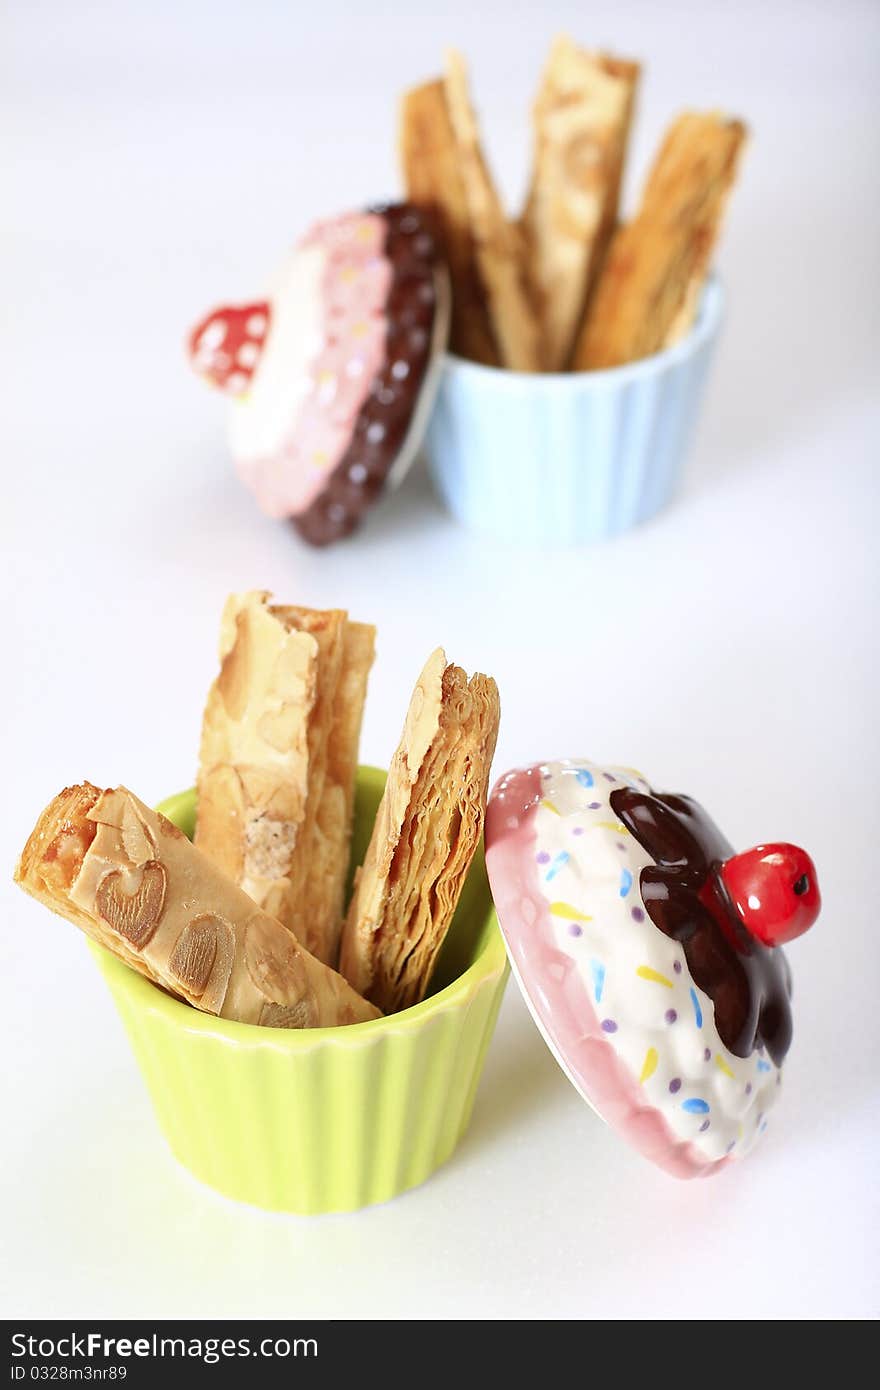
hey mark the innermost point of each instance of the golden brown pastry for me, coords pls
(427, 828)
(498, 248)
(133, 882)
(582, 117)
(650, 283)
(254, 757)
(445, 171)
(432, 177)
(279, 757)
(711, 144)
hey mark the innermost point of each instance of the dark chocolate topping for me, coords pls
(382, 424)
(748, 983)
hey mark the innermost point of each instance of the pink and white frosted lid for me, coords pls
(649, 954)
(330, 374)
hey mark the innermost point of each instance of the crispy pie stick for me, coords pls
(279, 757)
(497, 245)
(650, 282)
(582, 117)
(254, 756)
(431, 175)
(427, 828)
(312, 903)
(133, 882)
(717, 142)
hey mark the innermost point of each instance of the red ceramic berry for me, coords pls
(774, 890)
(226, 346)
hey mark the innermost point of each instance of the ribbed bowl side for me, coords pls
(325, 1119)
(568, 460)
(345, 1123)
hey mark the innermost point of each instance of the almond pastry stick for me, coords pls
(652, 277)
(427, 828)
(133, 882)
(432, 178)
(254, 757)
(279, 757)
(314, 904)
(497, 245)
(717, 141)
(582, 117)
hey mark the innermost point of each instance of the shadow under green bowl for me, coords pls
(324, 1119)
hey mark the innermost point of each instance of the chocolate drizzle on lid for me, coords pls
(748, 983)
(382, 425)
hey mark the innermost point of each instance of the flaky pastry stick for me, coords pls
(279, 757)
(314, 898)
(715, 143)
(650, 283)
(427, 828)
(498, 246)
(254, 755)
(432, 178)
(133, 882)
(582, 116)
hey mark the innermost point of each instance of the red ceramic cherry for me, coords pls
(225, 347)
(774, 890)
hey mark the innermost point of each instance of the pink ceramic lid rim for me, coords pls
(355, 281)
(557, 999)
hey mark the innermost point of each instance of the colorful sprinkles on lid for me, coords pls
(649, 1066)
(597, 970)
(698, 1012)
(558, 864)
(645, 972)
(570, 913)
(695, 1106)
(648, 1007)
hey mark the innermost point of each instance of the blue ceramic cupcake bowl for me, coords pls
(571, 457)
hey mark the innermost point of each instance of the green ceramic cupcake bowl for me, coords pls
(325, 1119)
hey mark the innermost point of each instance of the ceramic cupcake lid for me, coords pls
(330, 375)
(649, 954)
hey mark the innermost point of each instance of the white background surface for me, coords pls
(160, 158)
